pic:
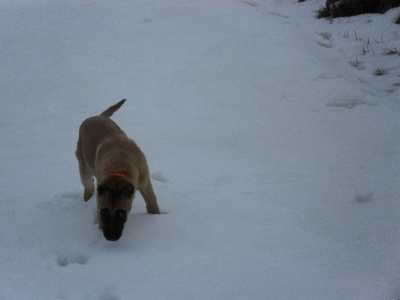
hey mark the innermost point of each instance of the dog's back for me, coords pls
(95, 130)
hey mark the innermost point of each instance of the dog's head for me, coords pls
(114, 201)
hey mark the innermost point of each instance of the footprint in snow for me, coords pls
(65, 260)
(278, 14)
(108, 294)
(250, 3)
(349, 103)
(325, 35)
(359, 65)
(364, 198)
(159, 177)
(72, 195)
(326, 39)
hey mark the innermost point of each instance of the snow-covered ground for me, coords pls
(274, 150)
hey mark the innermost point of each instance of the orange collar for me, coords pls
(118, 174)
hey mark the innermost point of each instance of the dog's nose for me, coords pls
(113, 225)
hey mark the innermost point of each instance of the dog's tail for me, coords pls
(112, 109)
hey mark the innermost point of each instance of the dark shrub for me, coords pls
(348, 8)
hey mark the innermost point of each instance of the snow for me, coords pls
(274, 150)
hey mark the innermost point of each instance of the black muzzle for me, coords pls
(113, 225)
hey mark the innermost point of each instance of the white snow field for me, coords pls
(274, 150)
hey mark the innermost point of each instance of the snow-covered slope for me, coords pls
(274, 150)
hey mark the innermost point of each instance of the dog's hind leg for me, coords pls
(150, 198)
(85, 173)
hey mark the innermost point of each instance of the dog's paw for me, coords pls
(152, 209)
(88, 193)
(86, 197)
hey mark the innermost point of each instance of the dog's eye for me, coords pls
(102, 190)
(128, 191)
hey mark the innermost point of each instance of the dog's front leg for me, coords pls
(150, 198)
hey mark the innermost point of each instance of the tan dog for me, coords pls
(105, 152)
